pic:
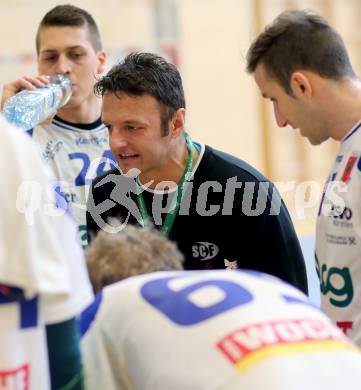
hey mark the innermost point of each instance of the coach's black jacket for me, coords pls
(215, 226)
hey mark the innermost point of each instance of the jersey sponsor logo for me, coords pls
(342, 213)
(345, 326)
(341, 240)
(51, 149)
(348, 169)
(204, 250)
(254, 343)
(342, 218)
(62, 195)
(335, 283)
(91, 141)
(231, 264)
(15, 379)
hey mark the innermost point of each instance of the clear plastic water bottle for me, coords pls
(29, 108)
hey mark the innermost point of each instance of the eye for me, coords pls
(109, 127)
(75, 55)
(130, 127)
(49, 58)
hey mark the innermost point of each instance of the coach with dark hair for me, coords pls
(221, 212)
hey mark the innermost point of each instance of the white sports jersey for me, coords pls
(338, 243)
(76, 155)
(39, 255)
(23, 354)
(213, 330)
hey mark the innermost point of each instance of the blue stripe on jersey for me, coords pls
(352, 132)
(29, 313)
(28, 308)
(88, 315)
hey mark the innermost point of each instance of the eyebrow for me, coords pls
(55, 50)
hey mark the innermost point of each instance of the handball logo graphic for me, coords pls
(124, 186)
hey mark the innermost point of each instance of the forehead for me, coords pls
(62, 37)
(124, 106)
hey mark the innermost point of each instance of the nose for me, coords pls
(63, 65)
(280, 119)
(117, 140)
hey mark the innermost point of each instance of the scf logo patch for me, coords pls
(204, 250)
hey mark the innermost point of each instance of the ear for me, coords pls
(102, 57)
(178, 123)
(301, 85)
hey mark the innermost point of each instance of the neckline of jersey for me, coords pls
(83, 126)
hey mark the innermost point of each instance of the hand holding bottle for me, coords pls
(27, 82)
(32, 106)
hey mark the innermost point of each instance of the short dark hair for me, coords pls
(146, 73)
(300, 40)
(70, 16)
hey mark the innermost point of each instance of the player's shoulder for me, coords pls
(124, 292)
